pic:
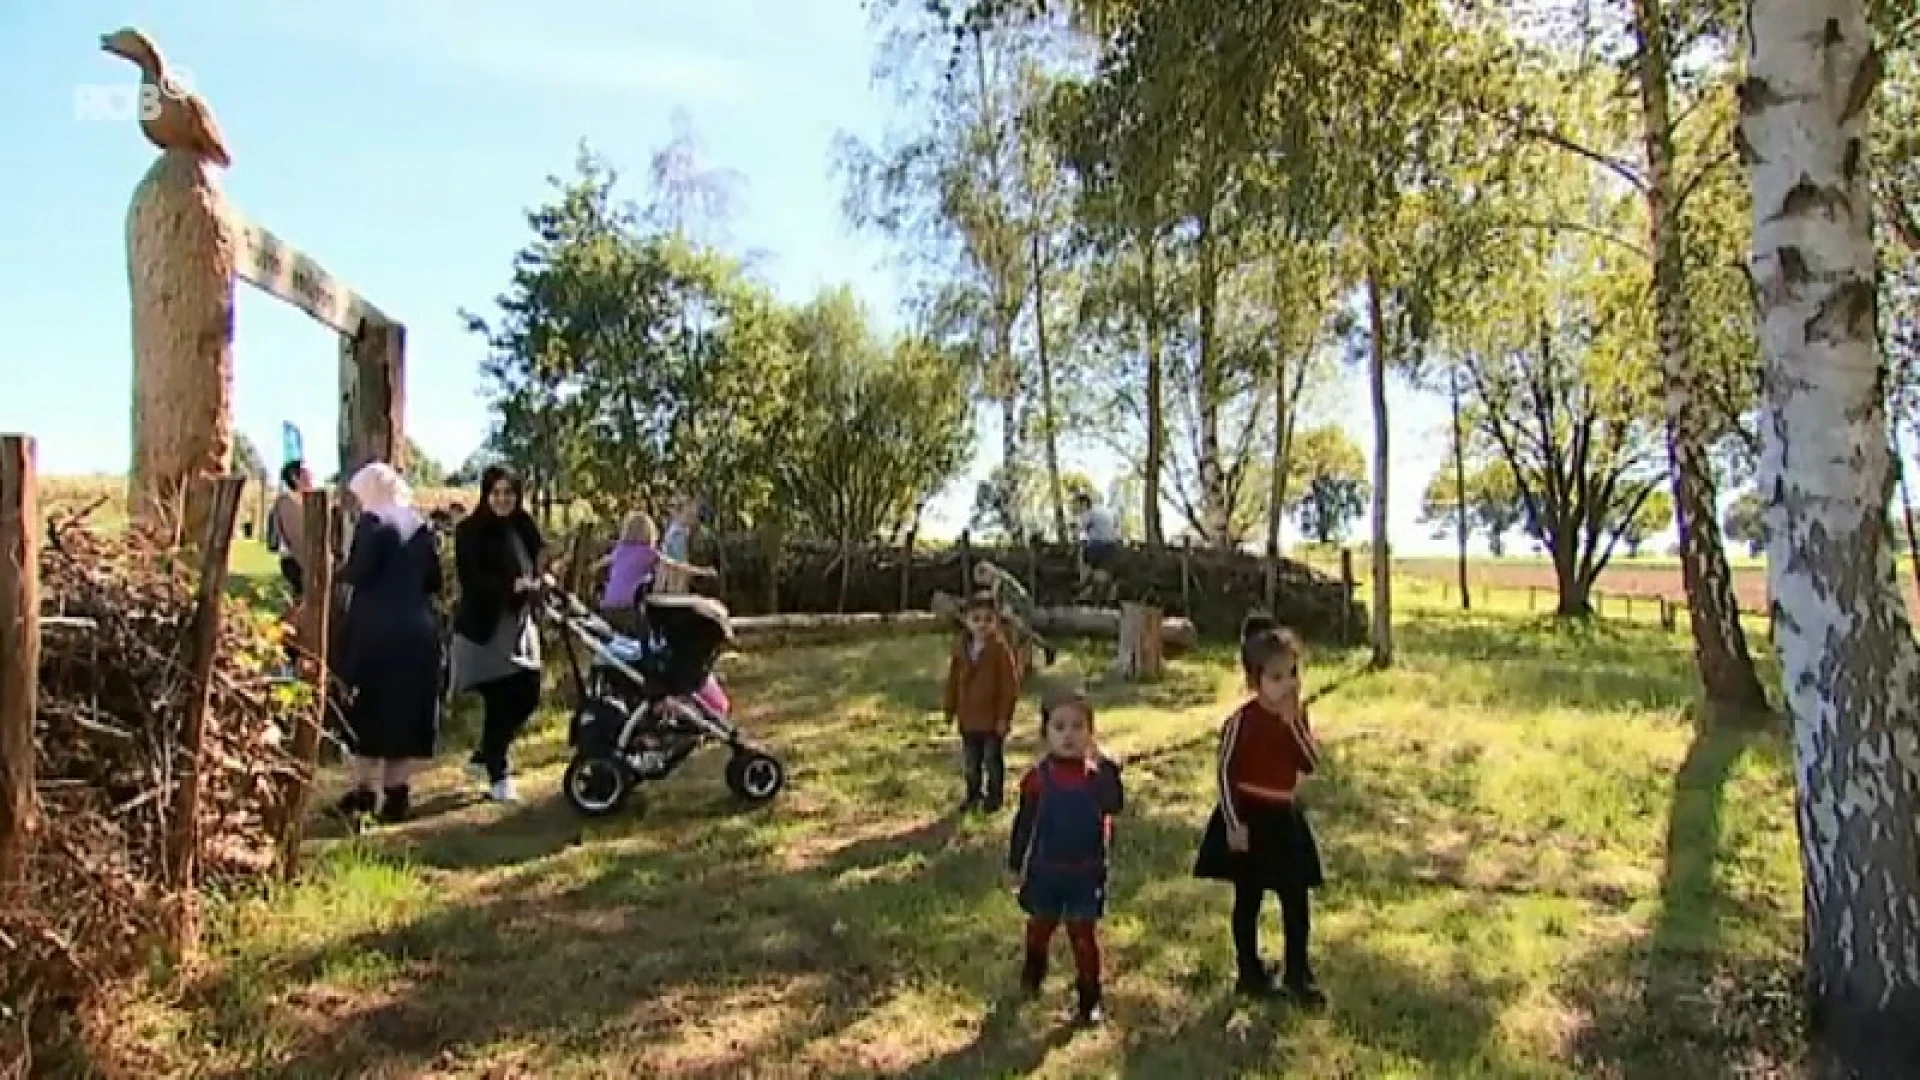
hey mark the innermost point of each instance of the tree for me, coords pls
(247, 460)
(875, 429)
(1673, 54)
(1493, 508)
(1331, 481)
(422, 469)
(1746, 522)
(1850, 669)
(1566, 394)
(1655, 515)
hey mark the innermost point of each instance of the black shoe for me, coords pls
(355, 803)
(1304, 992)
(992, 804)
(1257, 985)
(969, 804)
(395, 803)
(1087, 1010)
(1051, 655)
(1033, 973)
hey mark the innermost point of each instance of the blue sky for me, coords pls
(399, 142)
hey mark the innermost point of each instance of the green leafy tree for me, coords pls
(1494, 507)
(1654, 516)
(1330, 477)
(1746, 522)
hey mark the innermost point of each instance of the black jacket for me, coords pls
(484, 564)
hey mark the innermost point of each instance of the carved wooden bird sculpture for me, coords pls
(171, 117)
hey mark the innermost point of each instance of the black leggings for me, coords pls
(508, 702)
(1295, 923)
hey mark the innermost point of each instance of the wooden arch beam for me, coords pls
(372, 346)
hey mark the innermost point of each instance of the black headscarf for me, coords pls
(484, 559)
(496, 527)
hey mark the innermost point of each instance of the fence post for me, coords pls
(203, 650)
(315, 629)
(1186, 576)
(1533, 597)
(906, 564)
(19, 657)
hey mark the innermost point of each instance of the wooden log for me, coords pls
(1141, 655)
(203, 649)
(754, 626)
(1176, 632)
(316, 616)
(19, 657)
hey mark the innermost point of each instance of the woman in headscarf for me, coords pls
(391, 643)
(496, 642)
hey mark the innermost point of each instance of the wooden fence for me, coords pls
(21, 625)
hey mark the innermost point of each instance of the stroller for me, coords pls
(645, 704)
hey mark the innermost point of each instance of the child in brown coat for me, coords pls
(983, 686)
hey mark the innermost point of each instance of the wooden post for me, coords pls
(316, 510)
(1346, 595)
(906, 565)
(1033, 568)
(19, 657)
(373, 364)
(1142, 653)
(1273, 582)
(966, 563)
(1186, 576)
(1666, 614)
(1533, 597)
(203, 650)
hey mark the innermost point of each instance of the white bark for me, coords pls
(1850, 667)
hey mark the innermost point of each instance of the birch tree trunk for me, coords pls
(1382, 554)
(1725, 666)
(1849, 664)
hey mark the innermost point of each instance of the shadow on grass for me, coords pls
(1689, 999)
(643, 955)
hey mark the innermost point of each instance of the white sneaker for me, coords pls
(503, 791)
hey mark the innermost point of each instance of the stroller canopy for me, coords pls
(681, 607)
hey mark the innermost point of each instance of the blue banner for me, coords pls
(291, 449)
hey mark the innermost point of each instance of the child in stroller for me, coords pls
(646, 703)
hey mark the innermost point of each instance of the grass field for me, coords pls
(1536, 869)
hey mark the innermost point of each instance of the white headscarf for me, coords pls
(384, 493)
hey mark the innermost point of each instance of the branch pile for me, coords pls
(114, 684)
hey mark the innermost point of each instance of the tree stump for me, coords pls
(1142, 654)
(181, 249)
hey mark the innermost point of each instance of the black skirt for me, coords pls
(1281, 852)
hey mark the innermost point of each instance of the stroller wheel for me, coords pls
(755, 776)
(596, 786)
